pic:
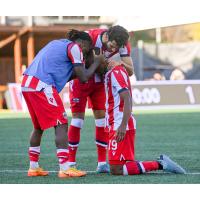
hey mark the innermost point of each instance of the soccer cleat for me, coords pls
(70, 173)
(170, 166)
(37, 172)
(105, 168)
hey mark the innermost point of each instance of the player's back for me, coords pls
(52, 65)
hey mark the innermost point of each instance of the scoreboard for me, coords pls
(166, 93)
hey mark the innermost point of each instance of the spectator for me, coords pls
(177, 74)
(158, 76)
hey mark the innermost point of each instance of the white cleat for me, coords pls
(170, 166)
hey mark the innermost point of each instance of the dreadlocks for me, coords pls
(74, 35)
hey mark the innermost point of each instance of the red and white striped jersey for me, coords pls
(116, 80)
(31, 83)
(75, 54)
(96, 36)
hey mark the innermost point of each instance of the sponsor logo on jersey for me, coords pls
(76, 100)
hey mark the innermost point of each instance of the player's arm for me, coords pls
(76, 56)
(126, 60)
(84, 74)
(126, 97)
(128, 64)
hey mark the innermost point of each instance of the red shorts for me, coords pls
(79, 93)
(119, 153)
(46, 108)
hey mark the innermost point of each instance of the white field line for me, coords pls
(89, 172)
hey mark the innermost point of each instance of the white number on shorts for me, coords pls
(113, 145)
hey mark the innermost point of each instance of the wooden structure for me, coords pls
(19, 45)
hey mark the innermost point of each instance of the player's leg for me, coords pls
(61, 145)
(35, 139)
(74, 136)
(101, 141)
(97, 99)
(60, 122)
(140, 167)
(121, 157)
(63, 153)
(78, 98)
(164, 163)
(34, 149)
(134, 167)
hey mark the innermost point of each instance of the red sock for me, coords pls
(62, 155)
(131, 168)
(137, 167)
(74, 139)
(101, 142)
(150, 165)
(34, 154)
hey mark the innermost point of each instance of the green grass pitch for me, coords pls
(175, 133)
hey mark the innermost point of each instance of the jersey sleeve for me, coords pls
(75, 54)
(125, 51)
(119, 80)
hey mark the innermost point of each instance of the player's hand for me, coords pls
(120, 133)
(101, 70)
(98, 58)
(113, 63)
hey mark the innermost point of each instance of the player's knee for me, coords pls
(116, 169)
(37, 131)
(35, 137)
(99, 114)
(78, 115)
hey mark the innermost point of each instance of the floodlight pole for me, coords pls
(140, 59)
(158, 40)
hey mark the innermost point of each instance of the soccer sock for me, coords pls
(137, 167)
(63, 155)
(101, 141)
(74, 138)
(150, 165)
(34, 154)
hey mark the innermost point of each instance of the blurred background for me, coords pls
(163, 49)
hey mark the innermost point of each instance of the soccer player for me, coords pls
(50, 70)
(112, 41)
(121, 126)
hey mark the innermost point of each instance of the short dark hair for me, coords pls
(74, 35)
(119, 34)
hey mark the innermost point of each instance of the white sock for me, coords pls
(64, 166)
(34, 165)
(71, 163)
(101, 163)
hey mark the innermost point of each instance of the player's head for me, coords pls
(82, 38)
(117, 37)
